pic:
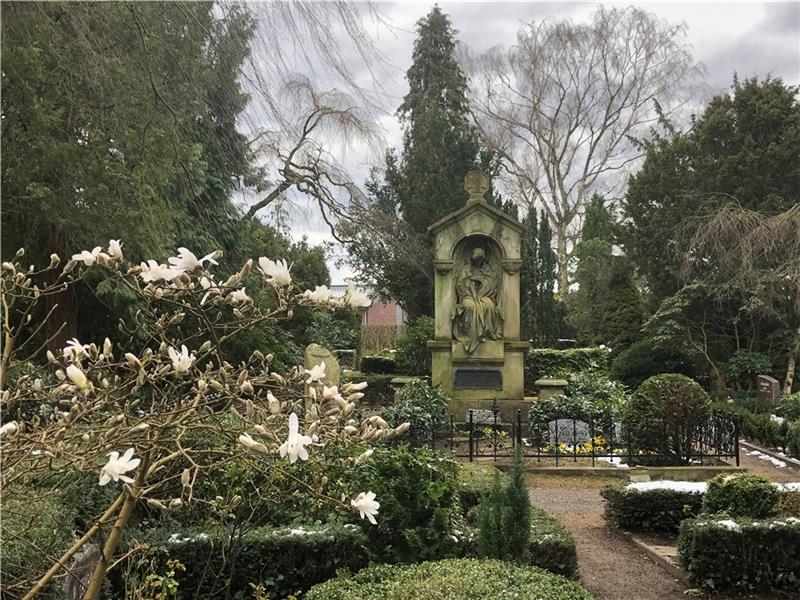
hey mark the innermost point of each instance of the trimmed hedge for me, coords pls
(659, 510)
(552, 546)
(378, 364)
(644, 359)
(284, 561)
(549, 362)
(741, 495)
(453, 579)
(744, 554)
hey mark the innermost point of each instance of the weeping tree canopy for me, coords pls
(742, 248)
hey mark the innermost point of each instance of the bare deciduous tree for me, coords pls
(563, 105)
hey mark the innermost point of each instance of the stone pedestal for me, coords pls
(477, 261)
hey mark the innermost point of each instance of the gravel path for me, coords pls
(609, 566)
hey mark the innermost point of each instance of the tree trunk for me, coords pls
(63, 322)
(791, 364)
(562, 260)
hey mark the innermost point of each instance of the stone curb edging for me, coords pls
(674, 570)
(793, 462)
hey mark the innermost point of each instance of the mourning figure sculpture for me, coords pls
(477, 317)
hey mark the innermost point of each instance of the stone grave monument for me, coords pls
(477, 353)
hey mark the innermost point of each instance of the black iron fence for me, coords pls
(587, 440)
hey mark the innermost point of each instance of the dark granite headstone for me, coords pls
(769, 389)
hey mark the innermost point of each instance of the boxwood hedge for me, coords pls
(283, 561)
(659, 510)
(452, 579)
(743, 554)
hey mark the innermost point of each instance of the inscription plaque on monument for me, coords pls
(482, 379)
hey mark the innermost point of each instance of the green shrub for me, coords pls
(793, 439)
(379, 390)
(418, 493)
(504, 517)
(662, 414)
(422, 405)
(549, 362)
(790, 406)
(412, 355)
(35, 530)
(744, 366)
(658, 510)
(226, 561)
(741, 495)
(378, 364)
(552, 546)
(741, 554)
(645, 359)
(450, 579)
(789, 505)
(474, 482)
(759, 426)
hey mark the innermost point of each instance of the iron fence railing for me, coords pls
(485, 434)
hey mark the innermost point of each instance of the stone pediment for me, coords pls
(478, 206)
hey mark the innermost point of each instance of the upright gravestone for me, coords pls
(477, 353)
(316, 354)
(769, 389)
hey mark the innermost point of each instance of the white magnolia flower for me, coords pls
(277, 272)
(357, 298)
(365, 504)
(88, 258)
(331, 393)
(249, 443)
(187, 261)
(9, 428)
(115, 249)
(152, 271)
(75, 350)
(295, 444)
(181, 361)
(239, 297)
(77, 377)
(118, 465)
(321, 293)
(316, 373)
(274, 405)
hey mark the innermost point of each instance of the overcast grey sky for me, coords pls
(749, 38)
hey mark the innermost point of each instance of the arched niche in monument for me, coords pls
(477, 356)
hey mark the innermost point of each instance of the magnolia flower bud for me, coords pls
(247, 388)
(238, 314)
(355, 397)
(260, 429)
(155, 504)
(324, 480)
(312, 392)
(403, 428)
(54, 260)
(37, 385)
(70, 266)
(140, 427)
(235, 501)
(185, 477)
(205, 346)
(355, 387)
(9, 268)
(51, 358)
(85, 437)
(107, 348)
(364, 456)
(268, 358)
(274, 405)
(60, 375)
(175, 503)
(350, 430)
(201, 384)
(133, 361)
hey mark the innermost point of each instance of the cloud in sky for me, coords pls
(747, 38)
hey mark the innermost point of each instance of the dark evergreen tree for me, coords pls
(623, 310)
(540, 315)
(427, 181)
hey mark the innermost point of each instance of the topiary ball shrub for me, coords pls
(662, 416)
(450, 579)
(741, 495)
(645, 359)
(378, 364)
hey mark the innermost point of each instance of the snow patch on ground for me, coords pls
(692, 487)
(614, 460)
(766, 457)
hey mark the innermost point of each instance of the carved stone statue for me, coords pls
(477, 317)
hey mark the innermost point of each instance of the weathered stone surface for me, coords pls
(477, 261)
(550, 387)
(769, 389)
(316, 354)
